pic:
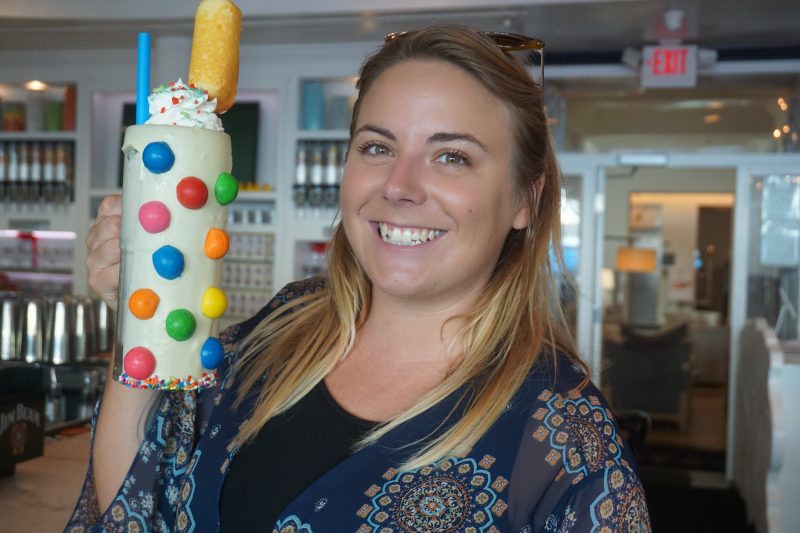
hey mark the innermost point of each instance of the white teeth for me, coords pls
(406, 236)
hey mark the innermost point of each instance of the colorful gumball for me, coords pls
(192, 193)
(143, 303)
(217, 243)
(139, 363)
(211, 353)
(180, 324)
(226, 188)
(168, 262)
(154, 216)
(158, 157)
(214, 302)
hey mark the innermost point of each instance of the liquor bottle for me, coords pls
(23, 172)
(317, 172)
(13, 172)
(300, 190)
(36, 171)
(48, 171)
(330, 192)
(61, 189)
(3, 172)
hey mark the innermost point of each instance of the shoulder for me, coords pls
(572, 463)
(569, 423)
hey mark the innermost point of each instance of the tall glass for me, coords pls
(176, 186)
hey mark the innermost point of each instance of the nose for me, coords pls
(404, 182)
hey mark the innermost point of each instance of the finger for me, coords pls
(104, 255)
(106, 283)
(103, 230)
(111, 205)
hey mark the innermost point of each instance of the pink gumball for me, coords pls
(139, 363)
(154, 216)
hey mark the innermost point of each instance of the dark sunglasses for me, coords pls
(508, 42)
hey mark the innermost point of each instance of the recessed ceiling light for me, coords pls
(35, 85)
(711, 119)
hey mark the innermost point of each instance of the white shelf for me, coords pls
(256, 260)
(37, 136)
(255, 196)
(323, 135)
(102, 193)
(251, 228)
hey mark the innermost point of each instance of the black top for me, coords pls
(290, 452)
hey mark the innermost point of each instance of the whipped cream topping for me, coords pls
(407, 236)
(178, 104)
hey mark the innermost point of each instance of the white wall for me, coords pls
(619, 189)
(679, 217)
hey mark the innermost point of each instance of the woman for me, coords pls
(426, 383)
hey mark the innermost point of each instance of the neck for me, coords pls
(412, 331)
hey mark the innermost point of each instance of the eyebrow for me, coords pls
(435, 138)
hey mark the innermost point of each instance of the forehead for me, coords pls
(436, 93)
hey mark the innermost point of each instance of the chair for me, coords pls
(650, 372)
(635, 424)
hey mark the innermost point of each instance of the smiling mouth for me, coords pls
(401, 236)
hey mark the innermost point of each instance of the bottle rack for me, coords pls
(37, 171)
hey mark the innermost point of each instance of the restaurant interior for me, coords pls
(680, 218)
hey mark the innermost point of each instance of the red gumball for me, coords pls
(139, 363)
(192, 193)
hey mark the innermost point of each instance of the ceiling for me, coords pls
(568, 26)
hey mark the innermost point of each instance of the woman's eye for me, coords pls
(373, 149)
(453, 159)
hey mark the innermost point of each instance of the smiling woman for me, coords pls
(426, 382)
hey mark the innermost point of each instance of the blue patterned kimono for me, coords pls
(554, 461)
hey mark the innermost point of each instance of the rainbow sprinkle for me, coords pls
(154, 382)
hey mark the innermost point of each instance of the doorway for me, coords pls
(600, 176)
(667, 248)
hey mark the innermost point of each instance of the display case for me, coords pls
(37, 143)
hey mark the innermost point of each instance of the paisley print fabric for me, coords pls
(554, 461)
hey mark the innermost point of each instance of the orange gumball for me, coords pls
(143, 303)
(217, 243)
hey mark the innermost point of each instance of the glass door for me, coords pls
(582, 222)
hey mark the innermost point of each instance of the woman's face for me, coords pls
(427, 194)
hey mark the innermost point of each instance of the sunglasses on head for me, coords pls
(508, 42)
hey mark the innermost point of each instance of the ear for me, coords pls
(523, 215)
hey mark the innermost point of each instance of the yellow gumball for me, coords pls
(214, 302)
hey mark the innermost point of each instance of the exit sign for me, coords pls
(669, 66)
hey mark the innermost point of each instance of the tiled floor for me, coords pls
(39, 497)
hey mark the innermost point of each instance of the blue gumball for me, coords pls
(211, 353)
(158, 157)
(168, 262)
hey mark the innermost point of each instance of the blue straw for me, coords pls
(142, 77)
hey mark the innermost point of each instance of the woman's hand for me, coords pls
(102, 243)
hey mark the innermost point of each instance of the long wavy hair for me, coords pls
(516, 319)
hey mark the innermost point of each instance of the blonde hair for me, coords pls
(516, 318)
